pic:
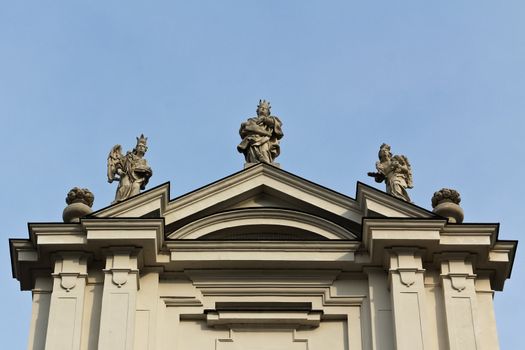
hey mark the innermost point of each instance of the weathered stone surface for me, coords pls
(260, 136)
(131, 171)
(262, 259)
(395, 171)
(80, 201)
(446, 203)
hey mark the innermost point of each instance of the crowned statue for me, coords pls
(395, 171)
(260, 136)
(130, 170)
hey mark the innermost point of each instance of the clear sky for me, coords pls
(442, 82)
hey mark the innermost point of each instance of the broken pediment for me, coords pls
(246, 199)
(259, 217)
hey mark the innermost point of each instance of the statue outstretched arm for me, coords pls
(378, 177)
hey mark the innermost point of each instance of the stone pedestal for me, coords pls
(249, 165)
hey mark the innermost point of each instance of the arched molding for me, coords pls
(264, 218)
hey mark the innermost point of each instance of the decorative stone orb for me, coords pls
(446, 203)
(79, 202)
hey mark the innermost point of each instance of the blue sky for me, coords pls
(442, 82)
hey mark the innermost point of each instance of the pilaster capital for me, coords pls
(121, 263)
(406, 262)
(69, 267)
(457, 267)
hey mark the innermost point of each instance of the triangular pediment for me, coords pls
(263, 202)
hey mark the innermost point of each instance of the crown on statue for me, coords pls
(142, 140)
(264, 104)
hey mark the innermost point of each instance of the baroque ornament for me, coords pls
(395, 171)
(80, 195)
(446, 203)
(80, 201)
(260, 136)
(130, 170)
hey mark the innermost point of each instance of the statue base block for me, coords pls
(248, 165)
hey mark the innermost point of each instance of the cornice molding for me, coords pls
(122, 223)
(262, 246)
(404, 209)
(160, 193)
(307, 283)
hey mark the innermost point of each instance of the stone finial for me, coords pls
(80, 201)
(446, 203)
(260, 137)
(395, 171)
(130, 170)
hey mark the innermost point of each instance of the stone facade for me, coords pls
(262, 260)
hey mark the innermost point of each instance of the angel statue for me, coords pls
(260, 136)
(130, 170)
(395, 171)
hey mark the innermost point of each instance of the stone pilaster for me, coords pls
(487, 320)
(40, 312)
(380, 309)
(461, 309)
(67, 302)
(408, 295)
(121, 282)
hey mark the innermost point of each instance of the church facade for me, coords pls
(262, 260)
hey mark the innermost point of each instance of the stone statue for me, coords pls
(395, 171)
(260, 136)
(131, 171)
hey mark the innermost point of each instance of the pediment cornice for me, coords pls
(262, 178)
(152, 200)
(374, 202)
(264, 219)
